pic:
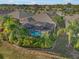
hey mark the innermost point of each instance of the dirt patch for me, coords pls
(31, 52)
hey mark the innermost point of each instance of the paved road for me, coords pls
(61, 46)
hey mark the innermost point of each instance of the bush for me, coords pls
(73, 27)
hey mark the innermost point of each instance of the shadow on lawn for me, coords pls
(1, 56)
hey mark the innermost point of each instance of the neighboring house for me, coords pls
(5, 12)
(70, 18)
(21, 15)
(14, 14)
(60, 13)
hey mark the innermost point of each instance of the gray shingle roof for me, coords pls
(72, 17)
(42, 17)
(20, 14)
(25, 14)
(3, 12)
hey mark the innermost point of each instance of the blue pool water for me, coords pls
(36, 33)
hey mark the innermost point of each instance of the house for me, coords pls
(5, 12)
(41, 24)
(37, 24)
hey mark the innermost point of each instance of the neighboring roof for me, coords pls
(59, 13)
(14, 14)
(20, 14)
(52, 13)
(42, 17)
(72, 17)
(4, 12)
(25, 14)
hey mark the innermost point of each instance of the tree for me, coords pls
(73, 31)
(13, 31)
(60, 22)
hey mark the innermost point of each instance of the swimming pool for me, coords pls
(35, 33)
